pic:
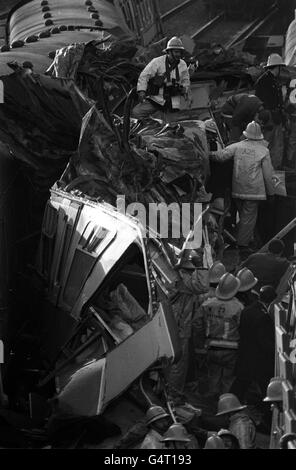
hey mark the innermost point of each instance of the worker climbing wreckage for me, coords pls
(163, 82)
(138, 287)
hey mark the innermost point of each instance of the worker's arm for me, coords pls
(149, 71)
(268, 171)
(224, 154)
(184, 76)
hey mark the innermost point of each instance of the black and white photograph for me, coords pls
(147, 227)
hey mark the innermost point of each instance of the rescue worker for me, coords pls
(251, 181)
(158, 420)
(230, 441)
(274, 397)
(220, 322)
(193, 282)
(216, 271)
(248, 281)
(255, 363)
(268, 267)
(163, 82)
(240, 424)
(186, 415)
(176, 437)
(238, 111)
(268, 89)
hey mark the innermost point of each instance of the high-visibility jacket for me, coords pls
(157, 67)
(220, 322)
(252, 169)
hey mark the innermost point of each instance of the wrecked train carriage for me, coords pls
(116, 323)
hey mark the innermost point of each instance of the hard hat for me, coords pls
(210, 125)
(229, 403)
(228, 286)
(214, 442)
(247, 279)
(274, 390)
(175, 43)
(217, 270)
(267, 294)
(186, 264)
(155, 413)
(218, 204)
(253, 131)
(274, 60)
(176, 432)
(225, 432)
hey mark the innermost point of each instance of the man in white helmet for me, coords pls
(163, 82)
(251, 179)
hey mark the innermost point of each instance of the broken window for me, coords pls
(122, 303)
(94, 240)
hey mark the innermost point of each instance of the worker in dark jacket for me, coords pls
(238, 111)
(268, 267)
(269, 89)
(255, 364)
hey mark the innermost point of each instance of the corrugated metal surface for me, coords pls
(26, 19)
(37, 52)
(29, 19)
(290, 49)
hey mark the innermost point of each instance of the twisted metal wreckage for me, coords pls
(104, 314)
(98, 298)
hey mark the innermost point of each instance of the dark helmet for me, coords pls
(267, 294)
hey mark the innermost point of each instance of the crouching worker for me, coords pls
(163, 82)
(176, 437)
(158, 421)
(239, 422)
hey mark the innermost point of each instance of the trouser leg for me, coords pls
(229, 362)
(221, 366)
(178, 372)
(144, 110)
(248, 216)
(214, 374)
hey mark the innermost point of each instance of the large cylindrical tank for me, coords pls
(290, 48)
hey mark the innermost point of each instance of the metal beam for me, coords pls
(176, 9)
(207, 26)
(250, 29)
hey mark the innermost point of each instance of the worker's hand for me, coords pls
(141, 96)
(188, 99)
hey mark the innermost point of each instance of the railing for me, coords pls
(285, 367)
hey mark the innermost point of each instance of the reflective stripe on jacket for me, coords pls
(252, 169)
(157, 67)
(221, 322)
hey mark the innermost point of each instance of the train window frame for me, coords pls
(89, 249)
